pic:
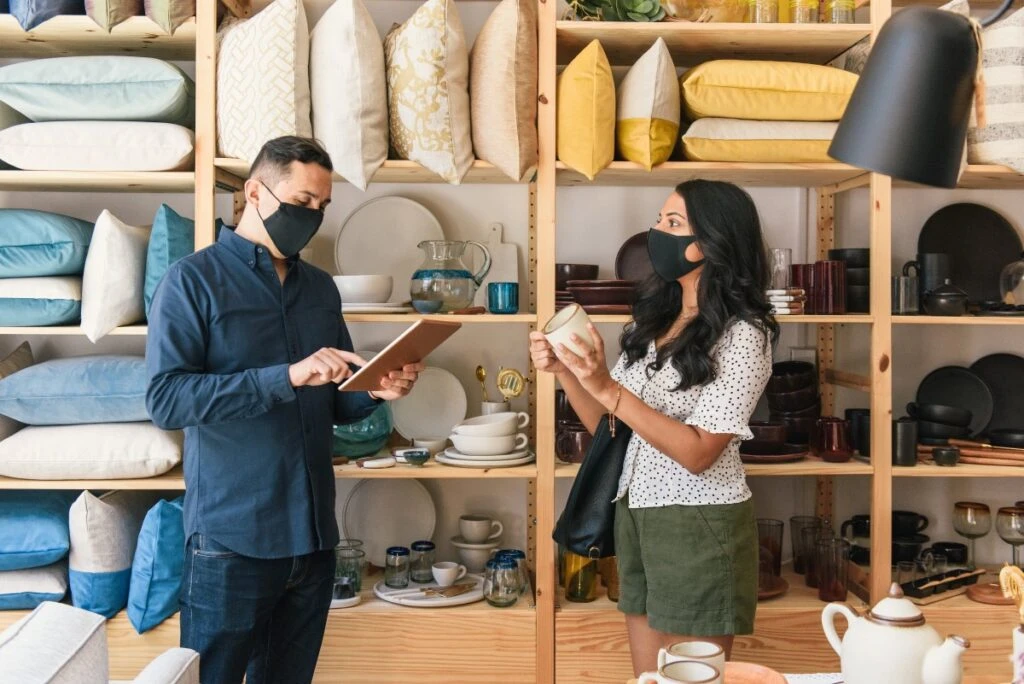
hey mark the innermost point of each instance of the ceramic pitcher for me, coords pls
(443, 283)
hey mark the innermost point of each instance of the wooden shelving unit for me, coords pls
(71, 330)
(845, 319)
(812, 465)
(88, 181)
(433, 470)
(79, 35)
(396, 171)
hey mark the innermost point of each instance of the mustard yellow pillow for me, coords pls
(766, 91)
(586, 112)
(734, 140)
(648, 113)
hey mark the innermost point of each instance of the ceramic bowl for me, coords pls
(788, 376)
(797, 400)
(474, 556)
(417, 458)
(493, 425)
(489, 446)
(768, 431)
(946, 456)
(937, 413)
(566, 272)
(602, 296)
(926, 428)
(364, 289)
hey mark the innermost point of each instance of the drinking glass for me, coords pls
(1010, 527)
(764, 11)
(348, 572)
(833, 569)
(797, 525)
(972, 520)
(906, 572)
(769, 536)
(501, 582)
(803, 11)
(841, 11)
(941, 563)
(782, 259)
(421, 562)
(811, 535)
(580, 578)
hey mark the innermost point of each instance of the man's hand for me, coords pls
(322, 367)
(399, 383)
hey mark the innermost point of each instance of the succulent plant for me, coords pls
(618, 10)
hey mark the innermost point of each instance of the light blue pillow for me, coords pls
(33, 528)
(26, 589)
(173, 237)
(76, 391)
(32, 13)
(38, 243)
(99, 88)
(49, 300)
(158, 566)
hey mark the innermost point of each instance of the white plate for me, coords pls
(411, 596)
(441, 458)
(380, 237)
(436, 404)
(455, 454)
(377, 310)
(371, 514)
(346, 603)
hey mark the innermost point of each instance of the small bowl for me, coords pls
(928, 429)
(854, 258)
(946, 456)
(427, 306)
(364, 289)
(788, 376)
(566, 272)
(797, 400)
(768, 431)
(858, 277)
(417, 458)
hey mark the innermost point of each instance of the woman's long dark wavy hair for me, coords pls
(732, 285)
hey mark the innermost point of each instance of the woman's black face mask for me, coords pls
(668, 254)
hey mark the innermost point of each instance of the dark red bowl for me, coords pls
(566, 272)
(797, 400)
(768, 431)
(602, 296)
(789, 376)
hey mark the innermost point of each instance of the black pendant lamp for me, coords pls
(908, 115)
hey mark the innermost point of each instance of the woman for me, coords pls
(695, 360)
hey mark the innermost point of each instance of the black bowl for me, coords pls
(566, 272)
(854, 258)
(946, 456)
(795, 401)
(789, 376)
(858, 299)
(937, 413)
(860, 277)
(930, 430)
(813, 412)
(955, 552)
(1007, 438)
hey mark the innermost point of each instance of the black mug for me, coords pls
(907, 524)
(859, 526)
(955, 552)
(860, 429)
(904, 442)
(932, 269)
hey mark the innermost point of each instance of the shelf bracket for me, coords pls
(853, 381)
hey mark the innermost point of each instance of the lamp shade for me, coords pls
(908, 115)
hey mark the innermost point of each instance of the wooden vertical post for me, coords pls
(206, 121)
(825, 225)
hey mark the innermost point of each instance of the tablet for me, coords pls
(412, 346)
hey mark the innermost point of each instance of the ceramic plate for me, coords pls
(368, 309)
(412, 596)
(453, 453)
(530, 458)
(633, 262)
(960, 387)
(346, 603)
(436, 404)
(380, 238)
(1004, 375)
(370, 514)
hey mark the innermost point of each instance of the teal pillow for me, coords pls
(33, 528)
(50, 300)
(99, 88)
(37, 243)
(158, 566)
(32, 13)
(173, 237)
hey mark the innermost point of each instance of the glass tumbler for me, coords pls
(803, 11)
(764, 11)
(421, 562)
(769, 538)
(811, 535)
(833, 561)
(501, 582)
(840, 11)
(580, 578)
(782, 259)
(519, 557)
(797, 525)
(348, 572)
(396, 567)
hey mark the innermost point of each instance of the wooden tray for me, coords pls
(989, 593)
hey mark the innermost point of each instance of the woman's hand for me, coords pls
(543, 356)
(591, 369)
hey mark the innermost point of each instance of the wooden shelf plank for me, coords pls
(79, 35)
(804, 320)
(959, 470)
(854, 381)
(396, 171)
(811, 465)
(981, 177)
(432, 470)
(692, 43)
(107, 181)
(66, 330)
(410, 318)
(958, 320)
(172, 480)
(623, 173)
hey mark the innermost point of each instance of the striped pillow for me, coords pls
(1001, 140)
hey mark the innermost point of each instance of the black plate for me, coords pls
(634, 263)
(1004, 374)
(932, 441)
(960, 387)
(979, 242)
(1013, 439)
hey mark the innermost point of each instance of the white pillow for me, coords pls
(647, 113)
(49, 300)
(26, 588)
(350, 104)
(97, 146)
(90, 452)
(174, 666)
(263, 79)
(115, 276)
(57, 644)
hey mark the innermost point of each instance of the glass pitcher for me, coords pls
(442, 283)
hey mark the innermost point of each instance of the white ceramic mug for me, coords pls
(701, 651)
(493, 425)
(564, 324)
(490, 446)
(434, 446)
(476, 529)
(446, 573)
(489, 407)
(683, 672)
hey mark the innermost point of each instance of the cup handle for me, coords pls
(521, 441)
(828, 623)
(462, 573)
(647, 678)
(524, 419)
(847, 524)
(922, 523)
(499, 532)
(911, 265)
(662, 657)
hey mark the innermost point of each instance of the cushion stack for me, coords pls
(34, 545)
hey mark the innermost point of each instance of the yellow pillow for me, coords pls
(775, 91)
(733, 140)
(648, 111)
(586, 112)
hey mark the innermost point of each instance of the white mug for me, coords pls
(476, 529)
(564, 324)
(434, 446)
(493, 425)
(683, 672)
(701, 651)
(446, 573)
(489, 407)
(490, 446)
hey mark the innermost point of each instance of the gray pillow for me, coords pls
(32, 13)
(56, 644)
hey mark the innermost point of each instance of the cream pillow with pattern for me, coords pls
(428, 90)
(263, 79)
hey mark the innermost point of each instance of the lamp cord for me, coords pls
(998, 14)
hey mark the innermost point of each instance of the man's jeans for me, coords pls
(263, 619)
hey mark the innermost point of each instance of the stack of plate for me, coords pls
(386, 308)
(787, 302)
(454, 457)
(613, 297)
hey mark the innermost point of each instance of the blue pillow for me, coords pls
(50, 300)
(158, 566)
(33, 528)
(173, 237)
(32, 13)
(26, 589)
(37, 243)
(76, 391)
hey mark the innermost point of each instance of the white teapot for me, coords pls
(891, 644)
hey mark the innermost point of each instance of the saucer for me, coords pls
(453, 453)
(460, 543)
(346, 603)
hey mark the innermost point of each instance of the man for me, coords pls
(246, 346)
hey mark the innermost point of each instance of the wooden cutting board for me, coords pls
(504, 266)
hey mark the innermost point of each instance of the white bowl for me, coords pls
(474, 556)
(489, 446)
(493, 425)
(364, 289)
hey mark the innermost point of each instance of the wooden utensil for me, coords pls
(969, 444)
(989, 593)
(449, 592)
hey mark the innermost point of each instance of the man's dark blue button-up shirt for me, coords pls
(223, 330)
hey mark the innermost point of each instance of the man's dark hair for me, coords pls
(273, 162)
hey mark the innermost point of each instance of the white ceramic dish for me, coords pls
(485, 464)
(474, 556)
(460, 543)
(493, 425)
(412, 596)
(346, 603)
(564, 324)
(365, 289)
(370, 514)
(380, 237)
(489, 446)
(456, 455)
(436, 404)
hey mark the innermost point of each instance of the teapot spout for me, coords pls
(942, 663)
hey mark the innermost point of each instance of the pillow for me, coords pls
(8, 116)
(38, 243)
(56, 644)
(647, 115)
(173, 666)
(733, 140)
(1001, 140)
(26, 589)
(428, 90)
(263, 79)
(17, 360)
(350, 105)
(40, 301)
(104, 531)
(173, 237)
(759, 90)
(99, 88)
(97, 146)
(115, 276)
(110, 13)
(90, 452)
(170, 14)
(33, 528)
(32, 13)
(158, 566)
(503, 88)
(78, 390)
(586, 112)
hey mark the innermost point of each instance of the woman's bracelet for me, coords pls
(611, 414)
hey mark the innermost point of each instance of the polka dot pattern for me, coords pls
(723, 406)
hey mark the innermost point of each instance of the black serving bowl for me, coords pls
(859, 277)
(795, 401)
(938, 413)
(790, 376)
(930, 430)
(854, 258)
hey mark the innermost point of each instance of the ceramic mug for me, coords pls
(446, 573)
(488, 408)
(572, 320)
(493, 425)
(476, 529)
(683, 672)
(700, 651)
(490, 446)
(434, 446)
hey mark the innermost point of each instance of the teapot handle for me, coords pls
(479, 276)
(828, 623)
